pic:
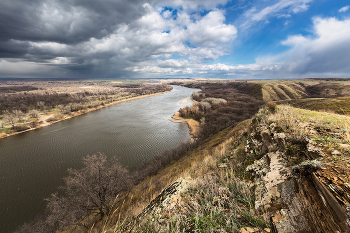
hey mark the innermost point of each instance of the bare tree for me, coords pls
(34, 114)
(61, 107)
(41, 104)
(11, 118)
(19, 114)
(90, 189)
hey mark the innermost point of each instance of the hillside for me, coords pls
(301, 89)
(282, 171)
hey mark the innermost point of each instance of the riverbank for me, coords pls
(193, 125)
(79, 113)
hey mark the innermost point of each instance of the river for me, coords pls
(33, 163)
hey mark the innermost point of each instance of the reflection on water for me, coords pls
(33, 163)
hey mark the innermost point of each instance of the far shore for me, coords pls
(82, 112)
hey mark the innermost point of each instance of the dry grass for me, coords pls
(339, 105)
(295, 121)
(219, 203)
(282, 90)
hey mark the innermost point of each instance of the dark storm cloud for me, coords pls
(68, 22)
(40, 31)
(13, 49)
(109, 37)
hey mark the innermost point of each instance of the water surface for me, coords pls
(32, 164)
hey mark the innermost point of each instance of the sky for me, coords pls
(237, 39)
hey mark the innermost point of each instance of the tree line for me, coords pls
(25, 101)
(220, 105)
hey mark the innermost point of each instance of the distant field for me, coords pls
(339, 105)
(30, 103)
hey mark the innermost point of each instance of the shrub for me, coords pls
(215, 101)
(53, 118)
(271, 106)
(19, 128)
(307, 167)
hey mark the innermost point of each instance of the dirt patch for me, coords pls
(44, 118)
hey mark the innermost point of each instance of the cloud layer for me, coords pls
(112, 38)
(160, 38)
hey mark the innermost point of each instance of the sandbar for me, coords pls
(183, 102)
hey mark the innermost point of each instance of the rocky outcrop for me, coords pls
(296, 198)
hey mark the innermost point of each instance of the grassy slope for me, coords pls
(286, 90)
(194, 164)
(340, 105)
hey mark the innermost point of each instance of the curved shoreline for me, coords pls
(193, 125)
(82, 112)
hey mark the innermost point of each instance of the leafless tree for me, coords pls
(41, 104)
(61, 107)
(11, 118)
(34, 114)
(19, 114)
(90, 189)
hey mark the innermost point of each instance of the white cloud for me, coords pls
(344, 9)
(284, 16)
(154, 36)
(326, 53)
(194, 5)
(206, 30)
(283, 8)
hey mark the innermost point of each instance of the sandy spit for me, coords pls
(193, 125)
(183, 102)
